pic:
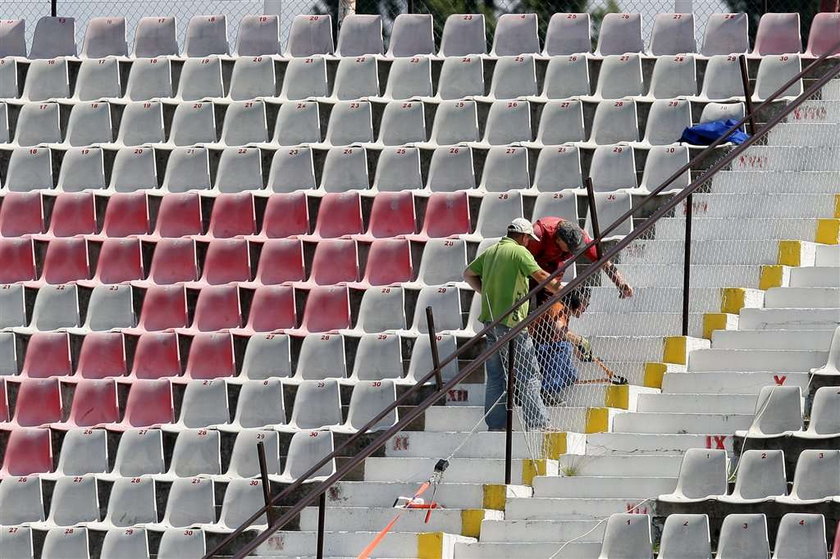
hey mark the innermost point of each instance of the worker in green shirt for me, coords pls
(500, 274)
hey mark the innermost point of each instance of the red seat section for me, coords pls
(74, 213)
(281, 260)
(272, 309)
(94, 402)
(174, 261)
(22, 213)
(447, 214)
(29, 451)
(157, 355)
(227, 260)
(149, 404)
(127, 214)
(120, 260)
(286, 214)
(217, 308)
(327, 309)
(102, 355)
(47, 355)
(211, 356)
(233, 215)
(38, 402)
(164, 307)
(179, 215)
(392, 215)
(18, 258)
(66, 261)
(340, 214)
(388, 262)
(335, 261)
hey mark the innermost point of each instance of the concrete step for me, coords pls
(463, 418)
(509, 550)
(799, 319)
(827, 255)
(696, 403)
(708, 275)
(558, 508)
(662, 323)
(702, 252)
(729, 382)
(817, 276)
(755, 360)
(653, 444)
(819, 340)
(802, 297)
(516, 531)
(627, 348)
(801, 134)
(605, 299)
(721, 228)
(796, 182)
(591, 487)
(816, 112)
(432, 444)
(788, 158)
(349, 544)
(349, 519)
(767, 206)
(461, 470)
(628, 465)
(680, 423)
(384, 493)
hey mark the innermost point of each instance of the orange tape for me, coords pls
(381, 535)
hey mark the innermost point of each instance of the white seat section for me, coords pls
(182, 544)
(266, 356)
(53, 37)
(378, 356)
(29, 169)
(134, 169)
(66, 543)
(825, 415)
(421, 357)
(104, 36)
(726, 34)
(495, 213)
(780, 409)
(191, 502)
(98, 79)
(82, 169)
(560, 204)
(459, 78)
(17, 542)
(201, 78)
(345, 169)
(13, 38)
(463, 35)
(515, 34)
(292, 170)
(761, 476)
(310, 35)
(206, 35)
(666, 121)
(398, 168)
(260, 405)
(505, 168)
(672, 34)
(620, 34)
(258, 35)
(193, 123)
(75, 500)
(444, 261)
(661, 163)
(627, 536)
(361, 34)
(317, 405)
(196, 452)
(240, 170)
(451, 169)
(321, 357)
(244, 461)
(205, 403)
(620, 76)
(614, 122)
(89, 123)
(685, 536)
(613, 168)
(566, 77)
(83, 451)
(46, 79)
(351, 122)
(611, 206)
(297, 123)
(774, 72)
(801, 534)
(382, 310)
(411, 35)
(22, 500)
(141, 123)
(722, 80)
(132, 543)
(132, 501)
(455, 122)
(403, 122)
(703, 475)
(446, 308)
(140, 452)
(38, 123)
(8, 79)
(155, 36)
(356, 78)
(409, 78)
(188, 168)
(561, 122)
(508, 122)
(513, 77)
(558, 168)
(243, 498)
(150, 78)
(304, 78)
(368, 400)
(816, 478)
(252, 77)
(674, 76)
(568, 33)
(744, 536)
(12, 308)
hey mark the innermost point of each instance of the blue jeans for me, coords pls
(527, 376)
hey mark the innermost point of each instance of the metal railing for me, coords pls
(414, 412)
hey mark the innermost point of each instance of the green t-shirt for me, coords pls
(504, 269)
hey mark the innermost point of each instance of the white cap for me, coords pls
(522, 225)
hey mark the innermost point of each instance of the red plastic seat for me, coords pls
(233, 215)
(149, 404)
(74, 213)
(164, 307)
(127, 214)
(28, 451)
(66, 261)
(38, 402)
(47, 355)
(18, 258)
(286, 214)
(272, 309)
(281, 260)
(335, 261)
(22, 213)
(217, 308)
(388, 262)
(227, 260)
(94, 403)
(340, 214)
(102, 355)
(174, 261)
(157, 356)
(179, 215)
(327, 309)
(835, 554)
(447, 214)
(120, 260)
(825, 28)
(392, 215)
(211, 356)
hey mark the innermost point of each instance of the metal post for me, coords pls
(322, 510)
(511, 392)
(264, 475)
(745, 80)
(53, 8)
(409, 7)
(596, 229)
(689, 210)
(430, 320)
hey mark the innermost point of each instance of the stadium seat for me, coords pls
(345, 169)
(104, 36)
(355, 78)
(266, 356)
(22, 501)
(368, 399)
(725, 34)
(13, 38)
(140, 453)
(800, 533)
(722, 80)
(513, 77)
(463, 35)
(193, 123)
(9, 90)
(627, 535)
(53, 37)
(196, 453)
(174, 261)
(610, 206)
(774, 72)
(613, 168)
(816, 478)
(286, 215)
(825, 421)
(508, 122)
(446, 306)
(455, 122)
(28, 451)
(132, 501)
(293, 169)
(29, 169)
(305, 78)
(83, 451)
(155, 36)
(65, 261)
(102, 355)
(620, 76)
(340, 214)
(73, 214)
(201, 78)
(110, 307)
(56, 307)
(402, 123)
(392, 215)
(321, 357)
(211, 356)
(75, 500)
(81, 169)
(258, 36)
(360, 35)
(565, 77)
(561, 122)
(672, 34)
(131, 543)
(666, 121)
(336, 261)
(141, 123)
(310, 35)
(568, 33)
(411, 35)
(515, 34)
(149, 404)
(761, 477)
(306, 449)
(350, 123)
(188, 168)
(397, 169)
(127, 215)
(164, 307)
(242, 498)
(46, 80)
(722, 111)
(495, 214)
(243, 459)
(272, 309)
(94, 403)
(382, 309)
(226, 261)
(451, 169)
(157, 354)
(615, 121)
(460, 78)
(38, 123)
(206, 36)
(233, 216)
(685, 536)
(66, 543)
(661, 163)
(317, 405)
(179, 544)
(253, 76)
(447, 214)
(444, 261)
(98, 79)
(134, 169)
(505, 168)
(47, 355)
(777, 34)
(378, 356)
(778, 411)
(409, 78)
(260, 405)
(620, 34)
(8, 366)
(245, 124)
(824, 29)
(744, 536)
(673, 76)
(18, 257)
(150, 78)
(558, 168)
(205, 404)
(21, 213)
(388, 262)
(281, 261)
(191, 503)
(561, 204)
(38, 403)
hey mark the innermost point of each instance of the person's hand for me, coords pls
(583, 349)
(624, 291)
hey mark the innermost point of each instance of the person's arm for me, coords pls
(540, 275)
(473, 280)
(624, 289)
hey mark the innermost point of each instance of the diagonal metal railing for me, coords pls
(410, 415)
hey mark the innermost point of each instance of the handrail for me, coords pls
(415, 411)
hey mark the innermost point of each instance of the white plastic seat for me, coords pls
(321, 357)
(37, 124)
(398, 168)
(243, 498)
(378, 356)
(460, 78)
(132, 502)
(463, 35)
(409, 78)
(13, 38)
(403, 122)
(703, 475)
(8, 79)
(110, 307)
(8, 360)
(566, 77)
(627, 536)
(260, 405)
(672, 34)
(411, 35)
(305, 78)
(666, 121)
(774, 72)
(56, 307)
(4, 122)
(193, 123)
(104, 36)
(496, 212)
(258, 36)
(561, 122)
(66, 543)
(132, 543)
(744, 536)
(240, 169)
(508, 122)
(560, 204)
(780, 409)
(361, 35)
(196, 453)
(615, 121)
(155, 36)
(351, 122)
(142, 123)
(674, 76)
(661, 163)
(345, 169)
(451, 169)
(89, 123)
(421, 357)
(620, 76)
(201, 78)
(446, 307)
(382, 309)
(75, 500)
(12, 308)
(825, 414)
(188, 168)
(317, 405)
(134, 169)
(613, 168)
(816, 478)
(244, 462)
(83, 451)
(558, 168)
(297, 123)
(46, 79)
(685, 536)
(368, 399)
(306, 449)
(140, 452)
(252, 77)
(266, 356)
(455, 122)
(191, 502)
(801, 535)
(444, 261)
(21, 500)
(205, 404)
(515, 34)
(568, 33)
(726, 34)
(206, 36)
(610, 206)
(513, 77)
(53, 37)
(98, 79)
(182, 544)
(150, 78)
(722, 111)
(761, 476)
(620, 34)
(310, 35)
(356, 78)
(29, 169)
(291, 170)
(722, 80)
(17, 542)
(505, 168)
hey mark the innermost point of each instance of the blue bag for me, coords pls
(707, 132)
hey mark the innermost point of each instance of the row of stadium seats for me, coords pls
(411, 78)
(412, 34)
(783, 416)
